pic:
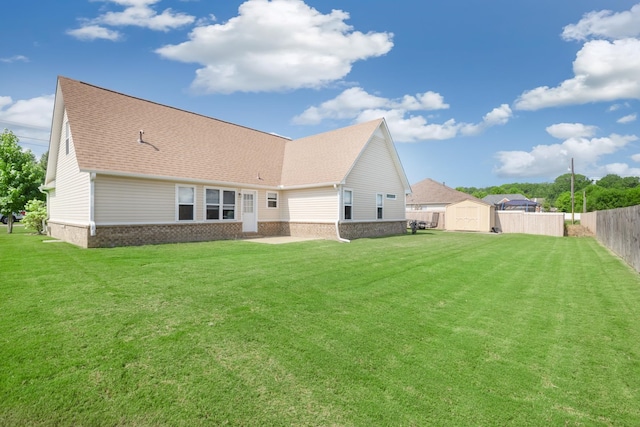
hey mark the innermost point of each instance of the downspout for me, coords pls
(340, 239)
(46, 220)
(92, 224)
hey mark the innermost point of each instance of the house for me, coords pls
(497, 199)
(510, 202)
(127, 171)
(428, 197)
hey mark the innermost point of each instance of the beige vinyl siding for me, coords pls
(124, 200)
(269, 214)
(310, 205)
(121, 200)
(70, 202)
(375, 172)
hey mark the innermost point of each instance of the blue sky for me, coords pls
(474, 93)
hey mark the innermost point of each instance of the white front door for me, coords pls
(249, 215)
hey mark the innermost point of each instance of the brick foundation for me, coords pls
(357, 230)
(74, 234)
(136, 235)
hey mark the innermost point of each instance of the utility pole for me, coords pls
(573, 199)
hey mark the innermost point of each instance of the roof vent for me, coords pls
(140, 137)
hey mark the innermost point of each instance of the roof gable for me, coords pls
(329, 157)
(326, 157)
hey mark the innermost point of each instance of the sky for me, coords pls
(475, 94)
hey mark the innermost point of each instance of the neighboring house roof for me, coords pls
(498, 198)
(105, 128)
(429, 191)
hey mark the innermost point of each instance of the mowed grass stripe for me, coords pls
(434, 328)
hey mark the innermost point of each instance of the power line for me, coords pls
(34, 139)
(26, 125)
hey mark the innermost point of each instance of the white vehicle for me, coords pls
(17, 216)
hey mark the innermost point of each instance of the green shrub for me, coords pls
(36, 214)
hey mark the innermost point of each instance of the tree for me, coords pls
(35, 216)
(610, 181)
(631, 182)
(563, 184)
(563, 202)
(43, 161)
(20, 177)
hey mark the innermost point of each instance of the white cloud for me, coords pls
(571, 130)
(605, 24)
(15, 58)
(354, 101)
(93, 32)
(138, 13)
(34, 112)
(276, 45)
(553, 160)
(359, 106)
(621, 169)
(628, 118)
(498, 116)
(604, 71)
(616, 107)
(29, 119)
(636, 157)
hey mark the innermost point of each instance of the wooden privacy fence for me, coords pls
(547, 224)
(588, 220)
(618, 230)
(426, 216)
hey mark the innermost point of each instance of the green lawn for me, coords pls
(428, 329)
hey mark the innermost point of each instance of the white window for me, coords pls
(186, 203)
(219, 204)
(347, 202)
(272, 200)
(391, 196)
(67, 134)
(228, 204)
(379, 206)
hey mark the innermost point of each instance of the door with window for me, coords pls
(249, 214)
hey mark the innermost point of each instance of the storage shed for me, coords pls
(470, 215)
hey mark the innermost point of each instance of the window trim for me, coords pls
(178, 204)
(391, 196)
(345, 205)
(272, 200)
(379, 206)
(67, 135)
(221, 204)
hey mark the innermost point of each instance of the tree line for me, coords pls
(609, 192)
